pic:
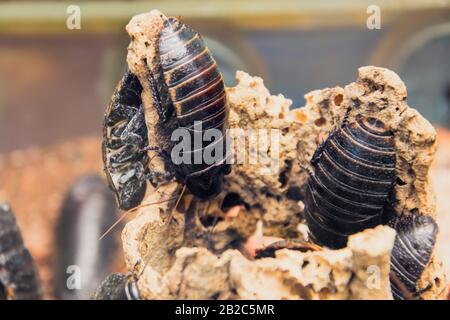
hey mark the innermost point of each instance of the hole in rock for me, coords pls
(284, 175)
(400, 182)
(232, 199)
(294, 193)
(338, 99)
(210, 220)
(320, 122)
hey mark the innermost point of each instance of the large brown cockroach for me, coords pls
(354, 174)
(87, 210)
(413, 247)
(18, 274)
(189, 90)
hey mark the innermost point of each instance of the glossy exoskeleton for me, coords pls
(18, 274)
(192, 91)
(124, 142)
(189, 90)
(354, 174)
(87, 210)
(413, 247)
(117, 286)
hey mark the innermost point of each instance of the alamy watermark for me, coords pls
(73, 21)
(73, 281)
(373, 21)
(374, 277)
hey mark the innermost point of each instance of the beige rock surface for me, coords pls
(171, 257)
(329, 274)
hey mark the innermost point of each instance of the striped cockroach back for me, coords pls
(412, 251)
(354, 174)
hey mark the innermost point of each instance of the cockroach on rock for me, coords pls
(354, 174)
(412, 251)
(18, 275)
(124, 140)
(187, 91)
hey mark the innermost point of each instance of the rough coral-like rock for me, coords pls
(327, 274)
(189, 251)
(380, 92)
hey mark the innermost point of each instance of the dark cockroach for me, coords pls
(354, 174)
(18, 274)
(87, 210)
(117, 286)
(188, 90)
(270, 250)
(195, 92)
(124, 141)
(412, 251)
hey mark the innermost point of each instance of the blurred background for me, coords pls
(55, 83)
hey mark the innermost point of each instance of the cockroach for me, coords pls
(117, 286)
(18, 274)
(87, 210)
(354, 174)
(124, 140)
(187, 91)
(195, 93)
(412, 251)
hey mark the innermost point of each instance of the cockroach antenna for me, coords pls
(147, 255)
(169, 219)
(142, 205)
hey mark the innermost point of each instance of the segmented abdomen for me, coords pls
(413, 247)
(354, 172)
(17, 269)
(197, 93)
(193, 80)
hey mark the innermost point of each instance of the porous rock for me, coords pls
(187, 258)
(328, 274)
